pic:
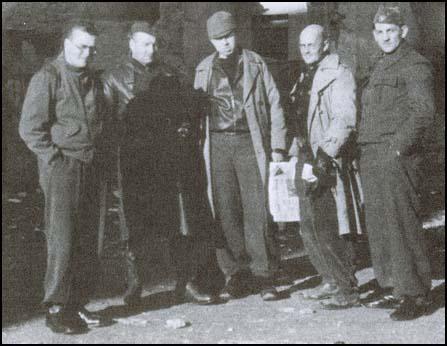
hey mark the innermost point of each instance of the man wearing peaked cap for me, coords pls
(130, 88)
(220, 24)
(398, 108)
(245, 129)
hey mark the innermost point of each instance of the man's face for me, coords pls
(389, 36)
(79, 48)
(143, 47)
(226, 45)
(311, 46)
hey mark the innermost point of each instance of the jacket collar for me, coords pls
(326, 72)
(252, 68)
(387, 60)
(63, 63)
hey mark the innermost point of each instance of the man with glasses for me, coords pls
(61, 123)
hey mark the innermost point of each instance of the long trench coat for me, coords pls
(262, 107)
(162, 168)
(331, 125)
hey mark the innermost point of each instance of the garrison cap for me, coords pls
(388, 15)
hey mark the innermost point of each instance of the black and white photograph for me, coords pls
(223, 172)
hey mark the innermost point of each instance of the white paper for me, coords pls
(283, 196)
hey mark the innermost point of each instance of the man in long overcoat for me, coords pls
(158, 167)
(243, 132)
(324, 107)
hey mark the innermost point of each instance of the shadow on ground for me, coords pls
(24, 256)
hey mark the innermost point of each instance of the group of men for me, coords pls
(192, 164)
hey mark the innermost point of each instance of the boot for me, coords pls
(188, 291)
(132, 296)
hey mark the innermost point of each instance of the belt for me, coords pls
(230, 133)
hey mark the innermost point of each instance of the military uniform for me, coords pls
(398, 107)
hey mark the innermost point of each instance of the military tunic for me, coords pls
(398, 107)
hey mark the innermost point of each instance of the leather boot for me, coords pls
(132, 296)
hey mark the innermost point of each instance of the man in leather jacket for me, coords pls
(149, 190)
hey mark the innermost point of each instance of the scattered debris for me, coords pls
(14, 200)
(177, 323)
(307, 311)
(435, 220)
(133, 321)
(230, 329)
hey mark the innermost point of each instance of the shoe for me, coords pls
(269, 294)
(132, 296)
(341, 302)
(93, 319)
(193, 294)
(410, 308)
(386, 302)
(324, 291)
(65, 322)
(234, 289)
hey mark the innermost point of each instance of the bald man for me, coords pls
(324, 111)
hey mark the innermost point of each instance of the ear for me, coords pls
(375, 35)
(405, 30)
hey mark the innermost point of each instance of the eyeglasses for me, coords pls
(83, 48)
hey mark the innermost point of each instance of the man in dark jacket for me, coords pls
(61, 123)
(159, 165)
(398, 107)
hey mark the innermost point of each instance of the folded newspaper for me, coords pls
(283, 196)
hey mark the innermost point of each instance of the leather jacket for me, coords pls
(122, 83)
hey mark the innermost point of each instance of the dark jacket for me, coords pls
(161, 158)
(57, 118)
(398, 101)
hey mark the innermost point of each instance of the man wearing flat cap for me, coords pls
(151, 108)
(245, 129)
(398, 107)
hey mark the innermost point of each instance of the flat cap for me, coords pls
(220, 24)
(388, 15)
(141, 26)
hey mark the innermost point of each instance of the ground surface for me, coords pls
(248, 320)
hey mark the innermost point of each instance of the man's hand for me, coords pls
(323, 164)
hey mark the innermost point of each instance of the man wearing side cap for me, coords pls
(137, 96)
(244, 131)
(398, 107)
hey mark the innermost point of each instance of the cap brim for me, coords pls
(222, 34)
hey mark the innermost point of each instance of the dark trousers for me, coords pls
(149, 213)
(329, 253)
(71, 189)
(240, 206)
(396, 239)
